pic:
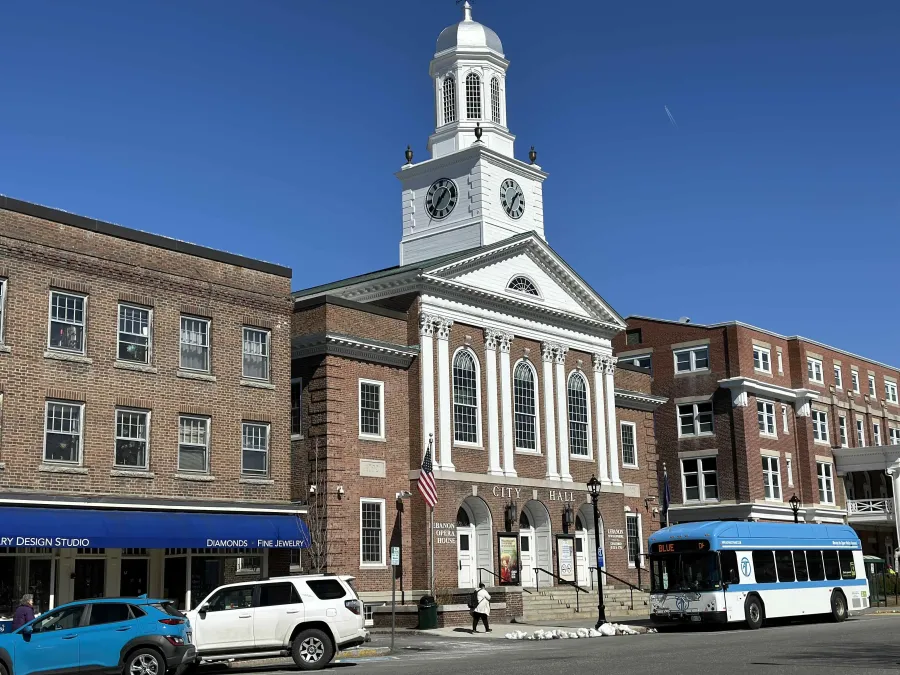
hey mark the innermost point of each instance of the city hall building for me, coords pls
(485, 345)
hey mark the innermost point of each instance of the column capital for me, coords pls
(491, 337)
(504, 340)
(609, 365)
(442, 327)
(893, 470)
(598, 361)
(426, 325)
(547, 349)
(560, 354)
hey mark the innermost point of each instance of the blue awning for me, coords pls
(80, 528)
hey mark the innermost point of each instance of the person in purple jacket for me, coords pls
(24, 612)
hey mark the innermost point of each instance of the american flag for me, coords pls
(427, 486)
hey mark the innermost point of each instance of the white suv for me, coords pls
(308, 617)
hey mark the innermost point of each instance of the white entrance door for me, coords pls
(526, 542)
(582, 573)
(466, 554)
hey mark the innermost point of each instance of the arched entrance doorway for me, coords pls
(473, 541)
(586, 544)
(536, 542)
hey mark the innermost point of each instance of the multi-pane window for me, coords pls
(296, 400)
(132, 438)
(854, 380)
(633, 337)
(633, 536)
(524, 407)
(820, 425)
(765, 412)
(194, 343)
(701, 480)
(256, 353)
(523, 284)
(628, 437)
(826, 482)
(838, 378)
(495, 100)
(894, 435)
(695, 419)
(578, 416)
(372, 531)
(371, 409)
(473, 97)
(639, 360)
(2, 306)
(255, 449)
(771, 478)
(67, 317)
(890, 388)
(842, 429)
(871, 385)
(814, 370)
(762, 359)
(449, 96)
(62, 432)
(193, 444)
(784, 418)
(465, 398)
(692, 360)
(876, 433)
(134, 334)
(860, 434)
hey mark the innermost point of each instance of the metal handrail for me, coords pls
(496, 576)
(578, 589)
(630, 585)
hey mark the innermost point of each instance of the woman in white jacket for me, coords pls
(482, 609)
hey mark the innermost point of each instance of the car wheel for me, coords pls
(312, 649)
(753, 610)
(3, 670)
(838, 607)
(144, 662)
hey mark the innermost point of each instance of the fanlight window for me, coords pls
(523, 285)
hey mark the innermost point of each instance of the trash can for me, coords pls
(427, 613)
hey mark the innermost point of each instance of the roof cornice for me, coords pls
(471, 153)
(637, 400)
(740, 386)
(348, 346)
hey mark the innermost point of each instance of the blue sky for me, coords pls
(273, 129)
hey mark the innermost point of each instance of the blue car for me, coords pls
(132, 636)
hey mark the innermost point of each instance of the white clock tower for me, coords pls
(473, 191)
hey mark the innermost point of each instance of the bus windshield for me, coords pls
(687, 571)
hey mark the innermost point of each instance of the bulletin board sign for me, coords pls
(565, 557)
(508, 551)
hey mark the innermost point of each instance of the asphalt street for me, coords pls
(865, 644)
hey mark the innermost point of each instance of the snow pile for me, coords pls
(606, 630)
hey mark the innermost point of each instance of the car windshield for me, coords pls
(685, 572)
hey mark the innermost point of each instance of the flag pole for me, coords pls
(431, 584)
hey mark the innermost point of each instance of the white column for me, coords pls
(600, 417)
(549, 410)
(894, 472)
(445, 437)
(612, 427)
(426, 371)
(509, 450)
(562, 413)
(493, 409)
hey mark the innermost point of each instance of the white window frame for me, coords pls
(537, 409)
(873, 388)
(208, 345)
(854, 380)
(814, 370)
(701, 479)
(692, 359)
(267, 356)
(208, 422)
(590, 421)
(117, 438)
(3, 284)
(80, 460)
(380, 385)
(622, 425)
(640, 532)
(780, 362)
(876, 434)
(697, 433)
(766, 409)
(83, 323)
(770, 474)
(789, 468)
(119, 332)
(860, 433)
(784, 419)
(381, 504)
(838, 378)
(842, 430)
(890, 388)
(758, 354)
(894, 435)
(825, 482)
(255, 473)
(478, 431)
(820, 427)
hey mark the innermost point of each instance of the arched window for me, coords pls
(449, 99)
(522, 284)
(525, 408)
(465, 398)
(495, 100)
(462, 518)
(473, 97)
(579, 523)
(578, 416)
(524, 523)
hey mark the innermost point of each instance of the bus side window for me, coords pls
(848, 567)
(764, 565)
(800, 566)
(816, 568)
(832, 566)
(728, 560)
(785, 564)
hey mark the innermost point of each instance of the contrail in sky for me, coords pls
(671, 119)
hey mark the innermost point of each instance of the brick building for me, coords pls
(141, 448)
(484, 342)
(754, 418)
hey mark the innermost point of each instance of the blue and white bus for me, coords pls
(740, 571)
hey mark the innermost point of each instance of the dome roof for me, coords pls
(468, 34)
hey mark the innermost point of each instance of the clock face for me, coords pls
(512, 198)
(441, 198)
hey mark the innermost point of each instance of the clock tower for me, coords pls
(472, 191)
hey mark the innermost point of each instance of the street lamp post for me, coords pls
(795, 507)
(594, 489)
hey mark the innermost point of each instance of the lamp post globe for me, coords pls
(795, 507)
(593, 486)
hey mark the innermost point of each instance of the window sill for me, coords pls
(825, 443)
(376, 439)
(373, 566)
(70, 358)
(467, 446)
(774, 500)
(694, 436)
(699, 502)
(774, 437)
(257, 481)
(257, 384)
(195, 478)
(191, 375)
(5, 349)
(688, 373)
(136, 367)
(760, 371)
(62, 468)
(132, 473)
(525, 451)
(296, 437)
(894, 403)
(580, 458)
(630, 466)
(817, 383)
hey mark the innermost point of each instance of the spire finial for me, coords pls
(467, 11)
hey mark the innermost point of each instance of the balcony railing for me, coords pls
(870, 507)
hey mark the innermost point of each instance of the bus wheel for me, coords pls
(838, 606)
(753, 610)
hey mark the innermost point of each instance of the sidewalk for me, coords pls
(499, 630)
